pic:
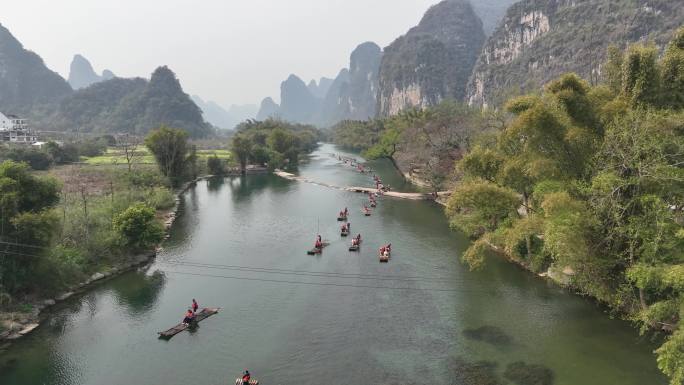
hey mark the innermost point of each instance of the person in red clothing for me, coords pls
(246, 377)
(195, 306)
(189, 317)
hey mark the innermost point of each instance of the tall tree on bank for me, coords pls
(171, 150)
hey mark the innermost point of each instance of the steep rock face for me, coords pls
(540, 39)
(268, 109)
(491, 12)
(129, 105)
(353, 95)
(25, 81)
(433, 61)
(297, 104)
(360, 97)
(332, 107)
(82, 74)
(320, 89)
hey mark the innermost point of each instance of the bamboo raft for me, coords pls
(202, 315)
(317, 250)
(355, 247)
(251, 382)
(344, 232)
(366, 212)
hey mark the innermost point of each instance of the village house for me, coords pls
(15, 129)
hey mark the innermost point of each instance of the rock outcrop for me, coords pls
(538, 40)
(433, 60)
(82, 74)
(268, 109)
(297, 104)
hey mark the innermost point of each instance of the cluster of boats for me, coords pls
(345, 231)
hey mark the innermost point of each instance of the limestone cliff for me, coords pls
(433, 60)
(538, 40)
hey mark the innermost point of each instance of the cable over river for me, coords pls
(341, 317)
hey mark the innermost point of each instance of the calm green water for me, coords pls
(361, 322)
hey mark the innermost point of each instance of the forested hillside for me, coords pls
(582, 183)
(25, 81)
(433, 61)
(540, 39)
(128, 105)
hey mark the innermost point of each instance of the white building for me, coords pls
(15, 129)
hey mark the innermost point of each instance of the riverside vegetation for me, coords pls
(63, 219)
(584, 179)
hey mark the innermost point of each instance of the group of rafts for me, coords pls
(385, 252)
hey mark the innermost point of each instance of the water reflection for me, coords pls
(138, 292)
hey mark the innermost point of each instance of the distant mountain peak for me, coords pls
(82, 74)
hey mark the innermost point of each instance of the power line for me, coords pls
(309, 273)
(325, 283)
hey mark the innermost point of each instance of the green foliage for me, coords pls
(671, 358)
(215, 166)
(171, 150)
(592, 178)
(673, 72)
(640, 75)
(477, 206)
(26, 221)
(36, 158)
(139, 227)
(482, 163)
(276, 143)
(60, 154)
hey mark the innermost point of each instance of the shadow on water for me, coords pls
(137, 292)
(489, 334)
(215, 184)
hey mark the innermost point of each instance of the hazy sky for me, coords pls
(228, 51)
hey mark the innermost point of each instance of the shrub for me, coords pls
(138, 226)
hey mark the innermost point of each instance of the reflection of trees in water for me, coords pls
(215, 184)
(138, 292)
(244, 188)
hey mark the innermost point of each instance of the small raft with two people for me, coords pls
(190, 321)
(355, 243)
(318, 246)
(343, 215)
(344, 230)
(385, 253)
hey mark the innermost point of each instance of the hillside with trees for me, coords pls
(581, 183)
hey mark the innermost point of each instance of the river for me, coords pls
(337, 318)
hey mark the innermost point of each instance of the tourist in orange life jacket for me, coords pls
(189, 317)
(195, 306)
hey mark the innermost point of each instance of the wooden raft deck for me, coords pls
(202, 315)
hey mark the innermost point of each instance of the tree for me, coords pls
(214, 165)
(26, 221)
(640, 75)
(138, 226)
(673, 72)
(241, 147)
(128, 145)
(171, 149)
